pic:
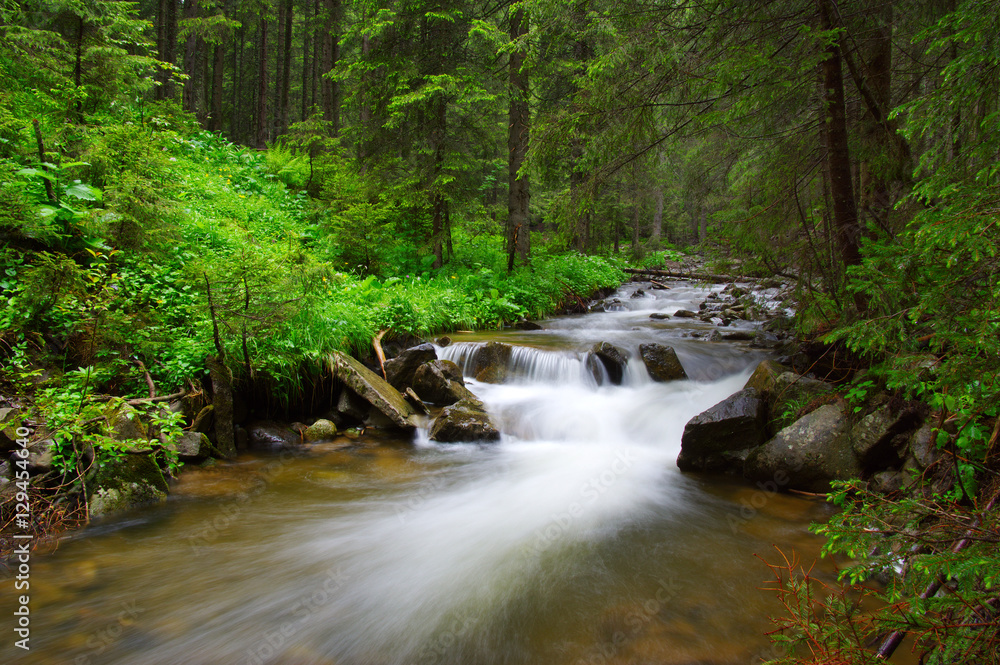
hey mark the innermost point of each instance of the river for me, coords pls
(575, 540)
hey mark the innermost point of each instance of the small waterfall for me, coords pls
(529, 365)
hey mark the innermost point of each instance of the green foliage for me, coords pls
(912, 541)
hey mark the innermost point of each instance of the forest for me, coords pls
(252, 186)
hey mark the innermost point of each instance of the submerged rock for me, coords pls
(807, 454)
(464, 421)
(662, 362)
(270, 434)
(720, 438)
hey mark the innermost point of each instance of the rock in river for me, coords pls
(611, 358)
(440, 382)
(662, 362)
(373, 389)
(720, 438)
(807, 454)
(464, 421)
(399, 371)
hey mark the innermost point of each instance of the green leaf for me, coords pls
(84, 192)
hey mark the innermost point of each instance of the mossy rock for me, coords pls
(321, 430)
(125, 483)
(765, 378)
(125, 423)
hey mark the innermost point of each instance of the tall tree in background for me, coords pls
(166, 44)
(518, 133)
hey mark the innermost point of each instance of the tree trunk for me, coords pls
(236, 102)
(581, 236)
(518, 193)
(838, 157)
(330, 35)
(307, 33)
(170, 46)
(658, 216)
(439, 203)
(260, 135)
(218, 83)
(286, 73)
(280, 53)
(78, 67)
(364, 94)
(193, 47)
(880, 142)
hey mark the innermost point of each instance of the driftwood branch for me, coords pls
(377, 343)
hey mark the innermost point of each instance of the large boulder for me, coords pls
(464, 421)
(400, 370)
(880, 439)
(808, 454)
(609, 358)
(923, 445)
(685, 314)
(125, 483)
(793, 393)
(373, 389)
(491, 363)
(41, 455)
(720, 438)
(351, 405)
(662, 362)
(440, 382)
(765, 377)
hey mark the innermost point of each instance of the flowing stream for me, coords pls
(575, 540)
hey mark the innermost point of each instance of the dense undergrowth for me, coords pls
(162, 236)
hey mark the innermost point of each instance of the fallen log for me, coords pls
(701, 277)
